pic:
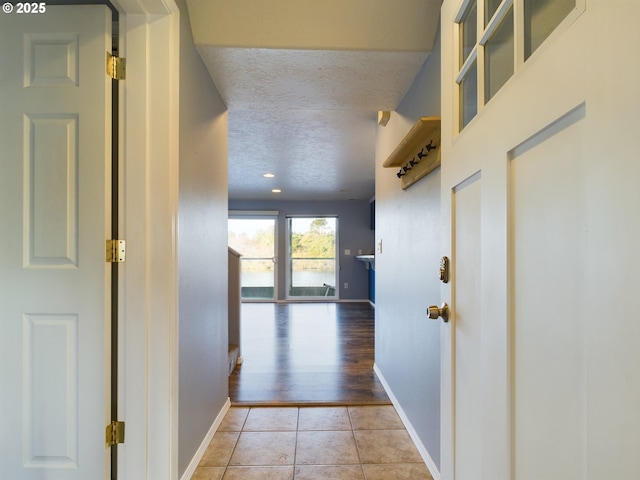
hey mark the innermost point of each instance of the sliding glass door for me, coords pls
(312, 271)
(255, 239)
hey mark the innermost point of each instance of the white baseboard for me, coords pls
(191, 469)
(435, 473)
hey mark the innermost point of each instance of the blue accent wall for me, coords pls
(202, 243)
(408, 228)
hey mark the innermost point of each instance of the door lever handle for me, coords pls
(434, 312)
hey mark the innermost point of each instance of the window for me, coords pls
(488, 46)
(468, 76)
(468, 31)
(541, 17)
(312, 263)
(469, 95)
(490, 8)
(498, 57)
(254, 237)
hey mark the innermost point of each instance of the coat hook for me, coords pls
(431, 146)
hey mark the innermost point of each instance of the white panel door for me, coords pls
(540, 355)
(466, 198)
(55, 210)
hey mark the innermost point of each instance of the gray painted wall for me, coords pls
(354, 234)
(202, 240)
(408, 224)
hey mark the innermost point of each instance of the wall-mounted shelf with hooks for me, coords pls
(418, 154)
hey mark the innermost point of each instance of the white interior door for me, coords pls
(54, 206)
(540, 183)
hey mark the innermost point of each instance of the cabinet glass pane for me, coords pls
(469, 96)
(541, 17)
(468, 31)
(490, 7)
(499, 57)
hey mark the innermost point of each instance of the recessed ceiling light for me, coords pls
(268, 175)
(276, 190)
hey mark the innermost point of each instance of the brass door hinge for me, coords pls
(116, 67)
(115, 433)
(116, 251)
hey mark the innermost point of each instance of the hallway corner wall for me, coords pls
(202, 243)
(408, 225)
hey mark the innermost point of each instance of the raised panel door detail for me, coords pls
(50, 392)
(51, 191)
(51, 60)
(467, 407)
(548, 318)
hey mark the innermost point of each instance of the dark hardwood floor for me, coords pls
(307, 354)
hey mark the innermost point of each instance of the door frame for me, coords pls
(148, 212)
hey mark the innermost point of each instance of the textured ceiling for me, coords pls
(308, 116)
(314, 154)
(311, 79)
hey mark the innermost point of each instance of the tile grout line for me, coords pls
(233, 450)
(355, 440)
(295, 449)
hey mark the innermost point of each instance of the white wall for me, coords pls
(202, 238)
(406, 26)
(408, 224)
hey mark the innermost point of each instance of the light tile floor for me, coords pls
(309, 443)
